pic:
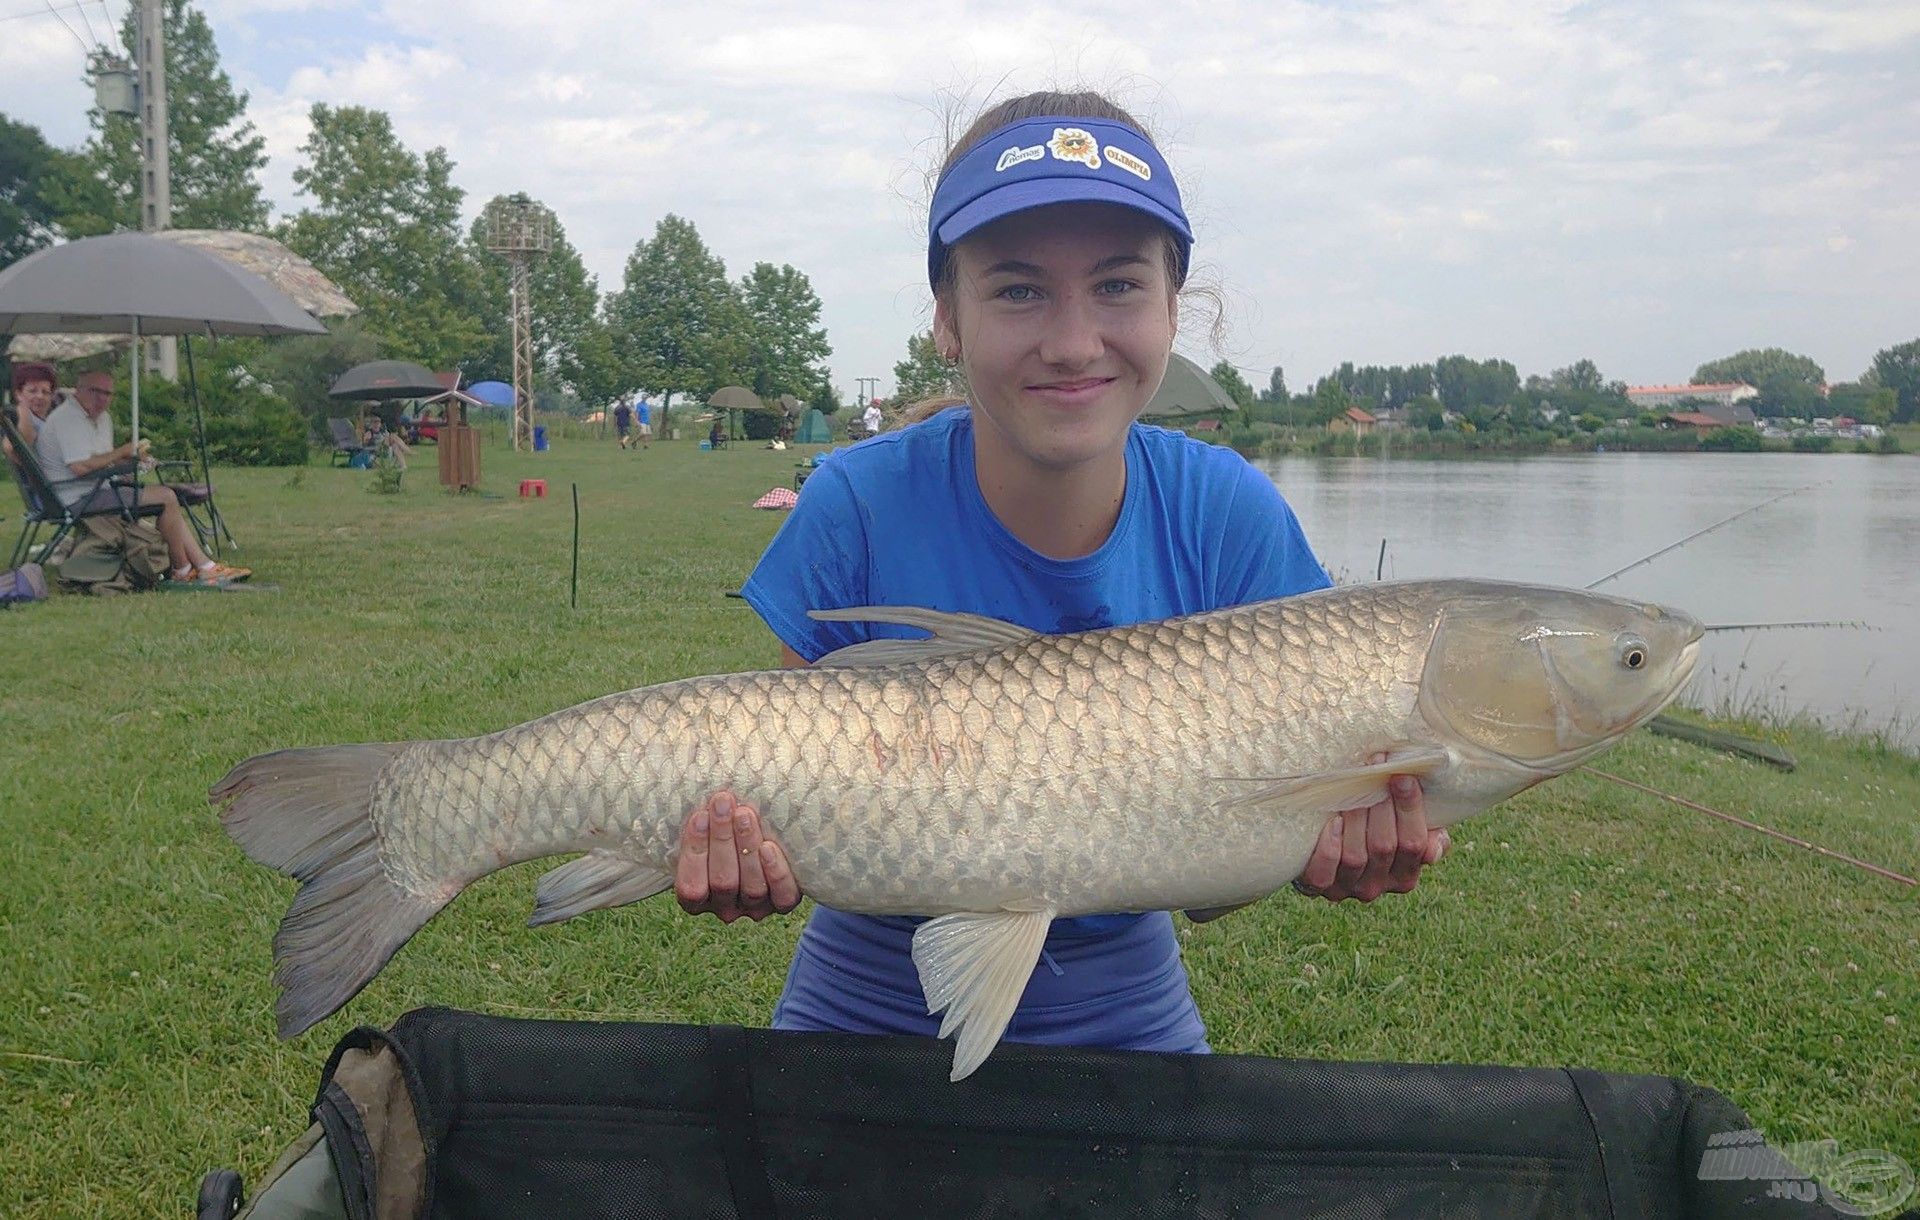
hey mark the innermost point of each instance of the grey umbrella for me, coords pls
(1188, 390)
(137, 285)
(386, 379)
(263, 256)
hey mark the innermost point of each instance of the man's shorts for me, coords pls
(644, 429)
(104, 499)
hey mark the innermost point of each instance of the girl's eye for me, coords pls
(1019, 292)
(1114, 288)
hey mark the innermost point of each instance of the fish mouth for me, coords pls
(1645, 710)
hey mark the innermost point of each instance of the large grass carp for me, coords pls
(988, 776)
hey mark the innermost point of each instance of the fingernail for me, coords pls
(768, 855)
(742, 822)
(700, 823)
(1336, 828)
(1403, 785)
(723, 806)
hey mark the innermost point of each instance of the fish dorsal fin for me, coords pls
(1329, 792)
(952, 634)
(595, 881)
(974, 966)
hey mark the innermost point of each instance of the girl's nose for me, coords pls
(1070, 336)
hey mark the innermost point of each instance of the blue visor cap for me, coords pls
(1046, 160)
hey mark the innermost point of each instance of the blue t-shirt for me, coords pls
(899, 520)
(643, 413)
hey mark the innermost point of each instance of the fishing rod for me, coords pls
(1857, 624)
(1697, 533)
(1684, 803)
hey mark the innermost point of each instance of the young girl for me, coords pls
(1056, 250)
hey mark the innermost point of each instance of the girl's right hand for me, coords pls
(727, 868)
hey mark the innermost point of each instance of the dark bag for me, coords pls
(26, 583)
(452, 1114)
(110, 555)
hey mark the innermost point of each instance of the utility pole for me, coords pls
(863, 383)
(156, 183)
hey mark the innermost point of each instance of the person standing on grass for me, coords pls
(1056, 250)
(643, 423)
(623, 422)
(76, 445)
(872, 419)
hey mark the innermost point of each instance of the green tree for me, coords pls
(1461, 382)
(1276, 391)
(1233, 383)
(29, 169)
(1789, 384)
(1898, 369)
(785, 342)
(214, 154)
(925, 373)
(300, 368)
(385, 225)
(675, 317)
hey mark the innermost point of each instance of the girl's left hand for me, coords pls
(1364, 853)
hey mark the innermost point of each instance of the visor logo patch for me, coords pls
(1073, 144)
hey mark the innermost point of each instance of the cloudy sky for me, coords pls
(1648, 183)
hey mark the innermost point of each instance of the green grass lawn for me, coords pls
(1581, 924)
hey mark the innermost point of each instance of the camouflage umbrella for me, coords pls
(736, 398)
(1187, 389)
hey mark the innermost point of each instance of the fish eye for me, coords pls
(1633, 653)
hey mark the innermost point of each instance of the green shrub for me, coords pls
(1807, 442)
(1732, 440)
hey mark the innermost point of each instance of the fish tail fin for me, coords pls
(307, 814)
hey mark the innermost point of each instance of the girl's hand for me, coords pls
(1364, 853)
(727, 868)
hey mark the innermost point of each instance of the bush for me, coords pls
(244, 426)
(1888, 443)
(1732, 440)
(1807, 442)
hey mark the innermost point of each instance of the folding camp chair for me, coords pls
(43, 505)
(346, 442)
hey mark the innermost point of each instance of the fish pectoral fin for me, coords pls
(595, 881)
(1208, 914)
(974, 967)
(1329, 792)
(951, 634)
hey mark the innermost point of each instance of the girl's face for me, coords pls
(1063, 319)
(37, 396)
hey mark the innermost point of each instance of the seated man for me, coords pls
(76, 445)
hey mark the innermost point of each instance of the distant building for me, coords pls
(1353, 420)
(1719, 393)
(1208, 425)
(1699, 421)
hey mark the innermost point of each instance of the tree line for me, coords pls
(382, 220)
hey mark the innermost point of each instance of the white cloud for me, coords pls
(1374, 183)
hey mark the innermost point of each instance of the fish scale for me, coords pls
(988, 776)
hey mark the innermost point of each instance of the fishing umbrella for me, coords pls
(265, 257)
(492, 393)
(138, 285)
(386, 379)
(1187, 389)
(733, 398)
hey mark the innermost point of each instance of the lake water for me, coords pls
(1846, 549)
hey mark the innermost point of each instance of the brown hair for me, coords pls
(34, 371)
(1082, 103)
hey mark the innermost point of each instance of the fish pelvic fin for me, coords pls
(306, 813)
(951, 635)
(595, 881)
(1330, 792)
(974, 966)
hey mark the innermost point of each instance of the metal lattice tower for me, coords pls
(520, 231)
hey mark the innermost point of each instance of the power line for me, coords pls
(68, 28)
(49, 10)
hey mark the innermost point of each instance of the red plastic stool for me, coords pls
(533, 487)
